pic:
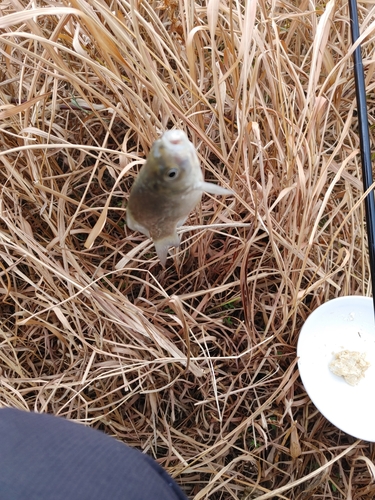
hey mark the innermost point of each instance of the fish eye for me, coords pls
(172, 173)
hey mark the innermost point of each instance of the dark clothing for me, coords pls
(43, 457)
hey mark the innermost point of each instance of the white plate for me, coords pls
(343, 323)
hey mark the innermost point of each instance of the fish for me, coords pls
(168, 187)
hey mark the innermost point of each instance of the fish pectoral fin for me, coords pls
(162, 246)
(210, 188)
(133, 224)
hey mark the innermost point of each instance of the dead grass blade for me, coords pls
(194, 364)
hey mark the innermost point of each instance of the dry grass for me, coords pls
(195, 364)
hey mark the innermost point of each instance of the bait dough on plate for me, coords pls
(351, 365)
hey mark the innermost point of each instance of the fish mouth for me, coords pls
(176, 143)
(174, 137)
(173, 144)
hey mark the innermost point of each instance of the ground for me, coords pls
(194, 364)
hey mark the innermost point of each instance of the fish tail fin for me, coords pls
(163, 245)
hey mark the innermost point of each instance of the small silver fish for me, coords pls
(167, 188)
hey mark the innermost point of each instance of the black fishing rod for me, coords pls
(364, 138)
